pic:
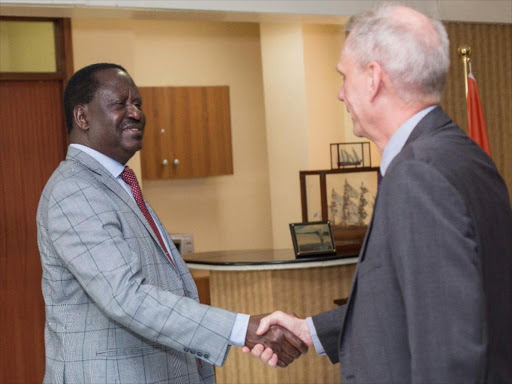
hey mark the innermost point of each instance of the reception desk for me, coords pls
(261, 281)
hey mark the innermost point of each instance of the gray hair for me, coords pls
(417, 62)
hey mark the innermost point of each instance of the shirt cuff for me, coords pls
(237, 337)
(316, 341)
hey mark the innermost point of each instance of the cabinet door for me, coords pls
(188, 132)
(156, 136)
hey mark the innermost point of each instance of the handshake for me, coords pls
(277, 339)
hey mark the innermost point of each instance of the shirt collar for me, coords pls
(114, 167)
(397, 141)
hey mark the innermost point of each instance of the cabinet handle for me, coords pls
(176, 162)
(162, 131)
(165, 162)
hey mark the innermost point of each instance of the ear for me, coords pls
(80, 117)
(375, 77)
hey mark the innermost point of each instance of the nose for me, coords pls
(134, 112)
(341, 94)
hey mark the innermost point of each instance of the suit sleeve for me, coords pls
(434, 251)
(87, 234)
(328, 327)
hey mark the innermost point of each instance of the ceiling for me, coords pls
(305, 11)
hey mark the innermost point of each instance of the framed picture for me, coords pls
(345, 198)
(312, 239)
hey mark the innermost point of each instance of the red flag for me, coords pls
(476, 120)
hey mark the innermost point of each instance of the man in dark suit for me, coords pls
(431, 300)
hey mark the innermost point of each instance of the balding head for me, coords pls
(410, 17)
(411, 47)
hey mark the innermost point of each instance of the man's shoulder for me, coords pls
(447, 149)
(450, 154)
(67, 178)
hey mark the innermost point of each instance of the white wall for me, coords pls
(225, 212)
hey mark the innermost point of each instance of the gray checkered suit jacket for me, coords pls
(117, 311)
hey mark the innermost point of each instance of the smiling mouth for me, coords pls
(132, 128)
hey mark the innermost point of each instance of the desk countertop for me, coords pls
(260, 260)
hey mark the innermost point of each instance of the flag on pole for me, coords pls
(476, 121)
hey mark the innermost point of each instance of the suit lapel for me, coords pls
(111, 183)
(368, 231)
(435, 119)
(361, 258)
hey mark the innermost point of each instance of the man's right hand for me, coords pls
(298, 328)
(280, 345)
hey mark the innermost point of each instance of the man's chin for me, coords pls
(133, 146)
(137, 148)
(357, 130)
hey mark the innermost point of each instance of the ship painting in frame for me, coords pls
(345, 198)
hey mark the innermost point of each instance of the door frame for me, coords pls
(64, 70)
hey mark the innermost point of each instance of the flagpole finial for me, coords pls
(465, 52)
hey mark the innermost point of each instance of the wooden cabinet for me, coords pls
(188, 132)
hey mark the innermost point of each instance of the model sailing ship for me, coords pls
(349, 217)
(349, 159)
(349, 209)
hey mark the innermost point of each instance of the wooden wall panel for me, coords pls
(33, 138)
(492, 68)
(246, 292)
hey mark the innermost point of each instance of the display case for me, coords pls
(351, 155)
(344, 197)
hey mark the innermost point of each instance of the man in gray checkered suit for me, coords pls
(121, 305)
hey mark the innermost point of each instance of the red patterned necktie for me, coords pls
(129, 178)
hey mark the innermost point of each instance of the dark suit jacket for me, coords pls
(431, 300)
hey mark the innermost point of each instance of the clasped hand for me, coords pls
(277, 339)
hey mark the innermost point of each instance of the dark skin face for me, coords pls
(112, 122)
